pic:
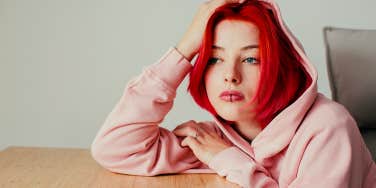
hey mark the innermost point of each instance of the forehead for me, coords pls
(235, 33)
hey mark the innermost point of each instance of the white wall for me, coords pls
(64, 64)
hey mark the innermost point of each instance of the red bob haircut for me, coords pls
(282, 74)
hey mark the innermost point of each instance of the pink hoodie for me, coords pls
(314, 142)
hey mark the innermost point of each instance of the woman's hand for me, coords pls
(204, 143)
(191, 40)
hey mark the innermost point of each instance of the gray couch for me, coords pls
(351, 64)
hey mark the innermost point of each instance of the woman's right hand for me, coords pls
(190, 43)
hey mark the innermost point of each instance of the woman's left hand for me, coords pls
(204, 143)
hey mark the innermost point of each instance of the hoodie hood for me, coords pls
(280, 131)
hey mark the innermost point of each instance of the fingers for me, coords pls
(191, 132)
(185, 124)
(217, 3)
(213, 4)
(210, 6)
(191, 142)
(186, 129)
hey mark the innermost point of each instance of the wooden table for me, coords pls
(58, 167)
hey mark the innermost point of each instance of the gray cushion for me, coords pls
(369, 136)
(351, 64)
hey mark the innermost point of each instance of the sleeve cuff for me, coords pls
(239, 160)
(172, 67)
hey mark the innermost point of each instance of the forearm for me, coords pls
(186, 49)
(132, 127)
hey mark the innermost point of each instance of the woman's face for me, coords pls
(233, 69)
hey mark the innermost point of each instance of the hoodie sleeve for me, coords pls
(242, 170)
(335, 157)
(130, 141)
(332, 158)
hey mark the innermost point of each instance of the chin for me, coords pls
(233, 113)
(229, 116)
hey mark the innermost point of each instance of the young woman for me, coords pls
(270, 127)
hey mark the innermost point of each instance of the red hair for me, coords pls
(280, 64)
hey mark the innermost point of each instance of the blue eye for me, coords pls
(251, 60)
(212, 61)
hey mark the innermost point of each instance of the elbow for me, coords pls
(117, 164)
(96, 154)
(101, 155)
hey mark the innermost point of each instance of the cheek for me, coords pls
(211, 83)
(251, 80)
(255, 77)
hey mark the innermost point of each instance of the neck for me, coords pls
(248, 129)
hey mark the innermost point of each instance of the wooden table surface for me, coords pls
(61, 167)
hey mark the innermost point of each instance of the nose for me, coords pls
(232, 75)
(233, 80)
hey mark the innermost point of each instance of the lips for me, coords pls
(231, 96)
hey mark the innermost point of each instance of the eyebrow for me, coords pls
(242, 49)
